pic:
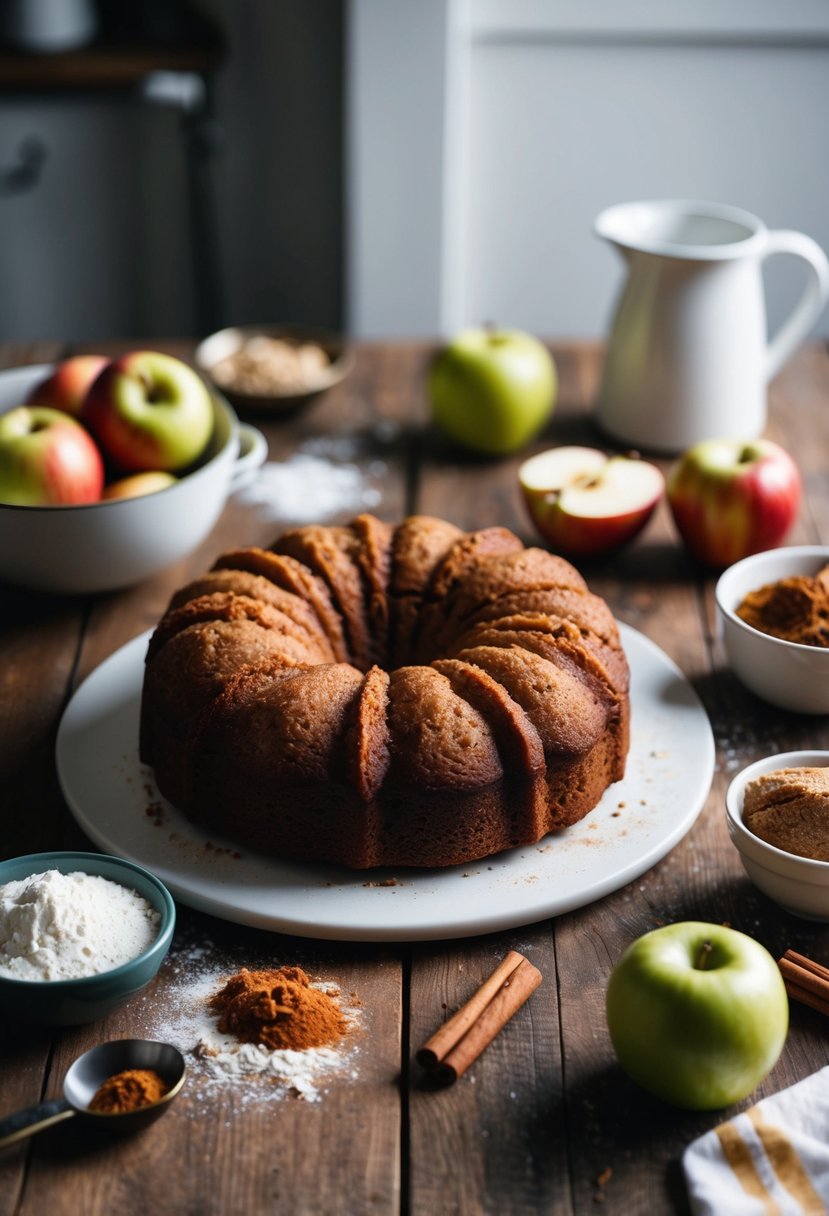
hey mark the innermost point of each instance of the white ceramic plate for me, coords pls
(114, 799)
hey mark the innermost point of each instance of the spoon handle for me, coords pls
(33, 1119)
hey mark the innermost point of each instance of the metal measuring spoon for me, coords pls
(84, 1079)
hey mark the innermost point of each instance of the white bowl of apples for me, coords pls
(112, 470)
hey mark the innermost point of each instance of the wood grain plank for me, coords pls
(494, 1141)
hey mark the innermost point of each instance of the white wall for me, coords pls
(552, 111)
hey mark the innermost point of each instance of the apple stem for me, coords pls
(704, 951)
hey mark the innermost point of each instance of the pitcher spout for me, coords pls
(681, 228)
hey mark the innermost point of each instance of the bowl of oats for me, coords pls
(273, 369)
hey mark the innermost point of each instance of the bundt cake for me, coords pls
(378, 695)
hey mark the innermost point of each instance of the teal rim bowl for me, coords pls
(75, 1001)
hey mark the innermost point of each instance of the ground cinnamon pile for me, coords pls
(795, 609)
(129, 1090)
(279, 1009)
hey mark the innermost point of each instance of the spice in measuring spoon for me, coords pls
(129, 1090)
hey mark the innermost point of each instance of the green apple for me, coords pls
(47, 459)
(697, 1014)
(492, 390)
(149, 412)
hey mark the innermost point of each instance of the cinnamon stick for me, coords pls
(805, 980)
(450, 1051)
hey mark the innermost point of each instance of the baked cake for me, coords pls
(408, 695)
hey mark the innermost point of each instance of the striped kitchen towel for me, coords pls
(771, 1160)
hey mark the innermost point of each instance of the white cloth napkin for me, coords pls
(771, 1160)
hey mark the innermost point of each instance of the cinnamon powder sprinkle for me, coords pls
(278, 1008)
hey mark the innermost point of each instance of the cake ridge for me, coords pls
(295, 577)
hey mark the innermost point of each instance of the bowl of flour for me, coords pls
(80, 933)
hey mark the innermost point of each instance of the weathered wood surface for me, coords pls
(544, 1121)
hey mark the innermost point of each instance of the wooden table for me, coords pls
(545, 1121)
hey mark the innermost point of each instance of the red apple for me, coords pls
(66, 388)
(587, 504)
(138, 484)
(733, 497)
(149, 411)
(47, 459)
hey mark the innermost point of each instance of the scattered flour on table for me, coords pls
(57, 926)
(319, 481)
(256, 1072)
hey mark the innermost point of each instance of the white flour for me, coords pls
(309, 487)
(57, 926)
(255, 1072)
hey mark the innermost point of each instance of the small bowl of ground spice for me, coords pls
(777, 812)
(774, 611)
(80, 933)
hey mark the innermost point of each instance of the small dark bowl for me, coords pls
(226, 342)
(75, 1001)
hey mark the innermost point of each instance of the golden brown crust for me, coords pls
(294, 577)
(333, 555)
(254, 586)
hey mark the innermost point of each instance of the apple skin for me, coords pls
(492, 390)
(47, 459)
(587, 504)
(149, 412)
(66, 388)
(138, 484)
(730, 498)
(697, 1036)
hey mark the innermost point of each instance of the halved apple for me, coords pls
(585, 503)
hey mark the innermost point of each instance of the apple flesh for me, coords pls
(138, 484)
(149, 412)
(47, 459)
(730, 498)
(67, 386)
(587, 504)
(697, 1014)
(491, 390)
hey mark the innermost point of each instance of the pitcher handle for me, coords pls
(811, 303)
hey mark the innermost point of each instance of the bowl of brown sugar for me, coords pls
(273, 369)
(777, 812)
(773, 610)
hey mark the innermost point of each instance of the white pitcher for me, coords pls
(688, 357)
